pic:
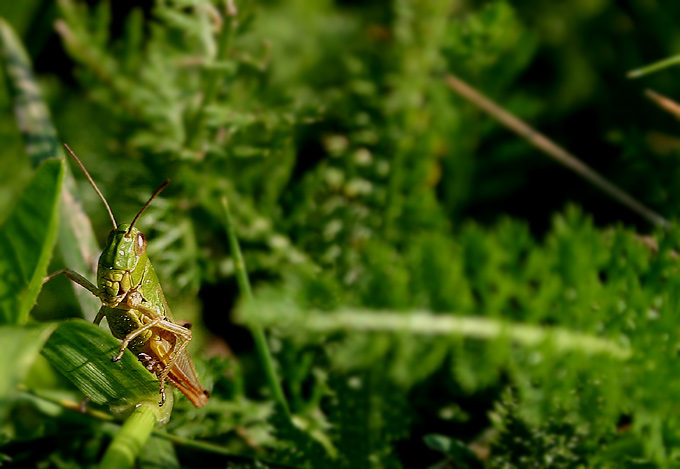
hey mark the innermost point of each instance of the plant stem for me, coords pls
(212, 81)
(654, 67)
(102, 416)
(131, 438)
(257, 331)
(212, 448)
(66, 404)
(553, 150)
(426, 323)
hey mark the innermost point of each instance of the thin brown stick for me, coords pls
(667, 104)
(553, 150)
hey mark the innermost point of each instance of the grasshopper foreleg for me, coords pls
(77, 278)
(101, 314)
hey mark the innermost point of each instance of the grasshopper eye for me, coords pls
(140, 244)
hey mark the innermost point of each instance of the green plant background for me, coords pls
(433, 289)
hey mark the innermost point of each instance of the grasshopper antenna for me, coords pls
(146, 205)
(96, 189)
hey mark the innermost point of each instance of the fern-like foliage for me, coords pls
(600, 304)
(353, 174)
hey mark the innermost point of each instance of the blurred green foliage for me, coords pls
(380, 216)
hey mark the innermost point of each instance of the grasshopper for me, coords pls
(135, 307)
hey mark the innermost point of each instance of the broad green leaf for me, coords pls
(26, 242)
(82, 352)
(20, 346)
(77, 244)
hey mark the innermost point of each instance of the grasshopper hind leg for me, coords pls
(162, 369)
(155, 367)
(161, 390)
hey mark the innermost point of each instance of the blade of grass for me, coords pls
(258, 333)
(654, 67)
(30, 110)
(551, 149)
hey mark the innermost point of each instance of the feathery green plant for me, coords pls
(395, 325)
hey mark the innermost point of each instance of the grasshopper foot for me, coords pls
(119, 356)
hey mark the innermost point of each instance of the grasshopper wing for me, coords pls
(183, 373)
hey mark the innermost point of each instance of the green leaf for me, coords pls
(26, 242)
(82, 352)
(20, 346)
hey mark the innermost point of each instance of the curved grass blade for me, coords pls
(257, 331)
(33, 116)
(26, 242)
(82, 352)
(77, 243)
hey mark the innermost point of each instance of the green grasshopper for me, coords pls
(135, 308)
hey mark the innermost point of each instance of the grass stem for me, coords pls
(258, 333)
(133, 435)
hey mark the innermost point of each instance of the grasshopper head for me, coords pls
(125, 250)
(122, 263)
